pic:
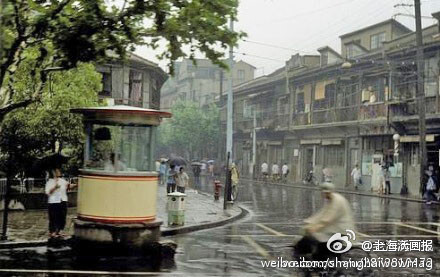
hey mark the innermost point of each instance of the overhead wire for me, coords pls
(278, 47)
(330, 28)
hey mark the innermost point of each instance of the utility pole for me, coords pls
(254, 145)
(230, 99)
(229, 122)
(420, 92)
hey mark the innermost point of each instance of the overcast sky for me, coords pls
(302, 26)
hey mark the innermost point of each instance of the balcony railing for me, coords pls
(408, 107)
(372, 111)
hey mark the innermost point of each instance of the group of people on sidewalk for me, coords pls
(275, 171)
(177, 179)
(384, 182)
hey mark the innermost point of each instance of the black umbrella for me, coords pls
(177, 160)
(51, 162)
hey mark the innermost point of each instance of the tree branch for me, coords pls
(15, 47)
(12, 106)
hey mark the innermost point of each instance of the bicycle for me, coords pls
(356, 253)
(310, 179)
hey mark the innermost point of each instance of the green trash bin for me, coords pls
(176, 209)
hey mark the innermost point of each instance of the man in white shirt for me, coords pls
(265, 170)
(285, 171)
(275, 172)
(356, 175)
(56, 192)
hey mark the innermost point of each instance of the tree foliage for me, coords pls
(192, 132)
(34, 131)
(47, 35)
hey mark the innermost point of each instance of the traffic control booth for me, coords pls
(118, 182)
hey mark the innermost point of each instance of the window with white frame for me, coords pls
(376, 40)
(248, 109)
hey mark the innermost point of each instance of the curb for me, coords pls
(22, 244)
(209, 225)
(164, 233)
(340, 190)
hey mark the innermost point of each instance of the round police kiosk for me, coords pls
(118, 183)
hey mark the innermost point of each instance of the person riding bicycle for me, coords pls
(334, 217)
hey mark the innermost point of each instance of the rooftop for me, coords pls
(389, 21)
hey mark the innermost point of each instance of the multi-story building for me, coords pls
(134, 82)
(338, 110)
(202, 82)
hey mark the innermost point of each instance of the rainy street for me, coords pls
(276, 219)
(274, 222)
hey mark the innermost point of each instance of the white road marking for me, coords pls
(257, 247)
(270, 230)
(417, 228)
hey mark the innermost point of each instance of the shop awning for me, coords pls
(310, 141)
(331, 142)
(274, 143)
(429, 138)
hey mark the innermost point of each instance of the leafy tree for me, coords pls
(192, 132)
(34, 131)
(46, 35)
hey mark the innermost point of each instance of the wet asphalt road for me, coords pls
(274, 222)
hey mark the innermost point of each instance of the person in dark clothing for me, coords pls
(171, 182)
(196, 171)
(430, 187)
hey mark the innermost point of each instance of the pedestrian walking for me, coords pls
(285, 171)
(171, 179)
(357, 177)
(381, 186)
(163, 172)
(182, 180)
(387, 177)
(265, 170)
(430, 187)
(56, 189)
(275, 172)
(211, 169)
(196, 172)
(235, 176)
(327, 175)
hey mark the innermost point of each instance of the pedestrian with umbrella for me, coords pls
(56, 189)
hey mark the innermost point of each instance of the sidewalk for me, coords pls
(347, 189)
(201, 213)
